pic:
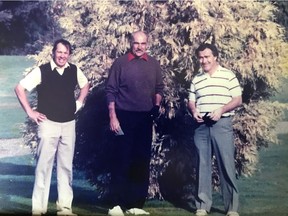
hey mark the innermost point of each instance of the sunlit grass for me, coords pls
(281, 96)
(11, 113)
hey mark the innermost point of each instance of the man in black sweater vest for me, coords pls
(55, 83)
(134, 91)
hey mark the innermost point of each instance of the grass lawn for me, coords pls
(11, 112)
(264, 194)
(281, 96)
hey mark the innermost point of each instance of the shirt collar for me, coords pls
(131, 56)
(53, 65)
(202, 72)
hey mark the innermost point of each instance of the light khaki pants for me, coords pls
(56, 139)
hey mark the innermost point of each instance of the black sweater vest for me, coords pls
(56, 97)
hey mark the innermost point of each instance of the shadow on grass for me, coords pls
(15, 169)
(190, 207)
(16, 186)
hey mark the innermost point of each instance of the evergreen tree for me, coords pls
(251, 43)
(25, 26)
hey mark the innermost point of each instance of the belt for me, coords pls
(226, 116)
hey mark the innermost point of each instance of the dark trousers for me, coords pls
(131, 159)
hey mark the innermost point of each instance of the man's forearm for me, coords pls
(191, 107)
(111, 108)
(83, 93)
(21, 95)
(234, 103)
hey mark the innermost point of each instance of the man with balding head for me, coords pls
(134, 92)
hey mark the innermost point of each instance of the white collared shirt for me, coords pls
(33, 79)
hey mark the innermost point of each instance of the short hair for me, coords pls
(136, 32)
(64, 42)
(204, 46)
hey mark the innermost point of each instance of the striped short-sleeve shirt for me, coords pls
(213, 92)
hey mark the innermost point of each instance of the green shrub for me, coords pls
(251, 44)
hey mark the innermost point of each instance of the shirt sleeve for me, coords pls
(31, 80)
(159, 81)
(81, 78)
(235, 88)
(192, 94)
(112, 82)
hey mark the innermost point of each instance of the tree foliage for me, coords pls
(282, 15)
(251, 43)
(25, 26)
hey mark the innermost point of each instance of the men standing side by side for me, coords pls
(134, 91)
(55, 83)
(214, 94)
